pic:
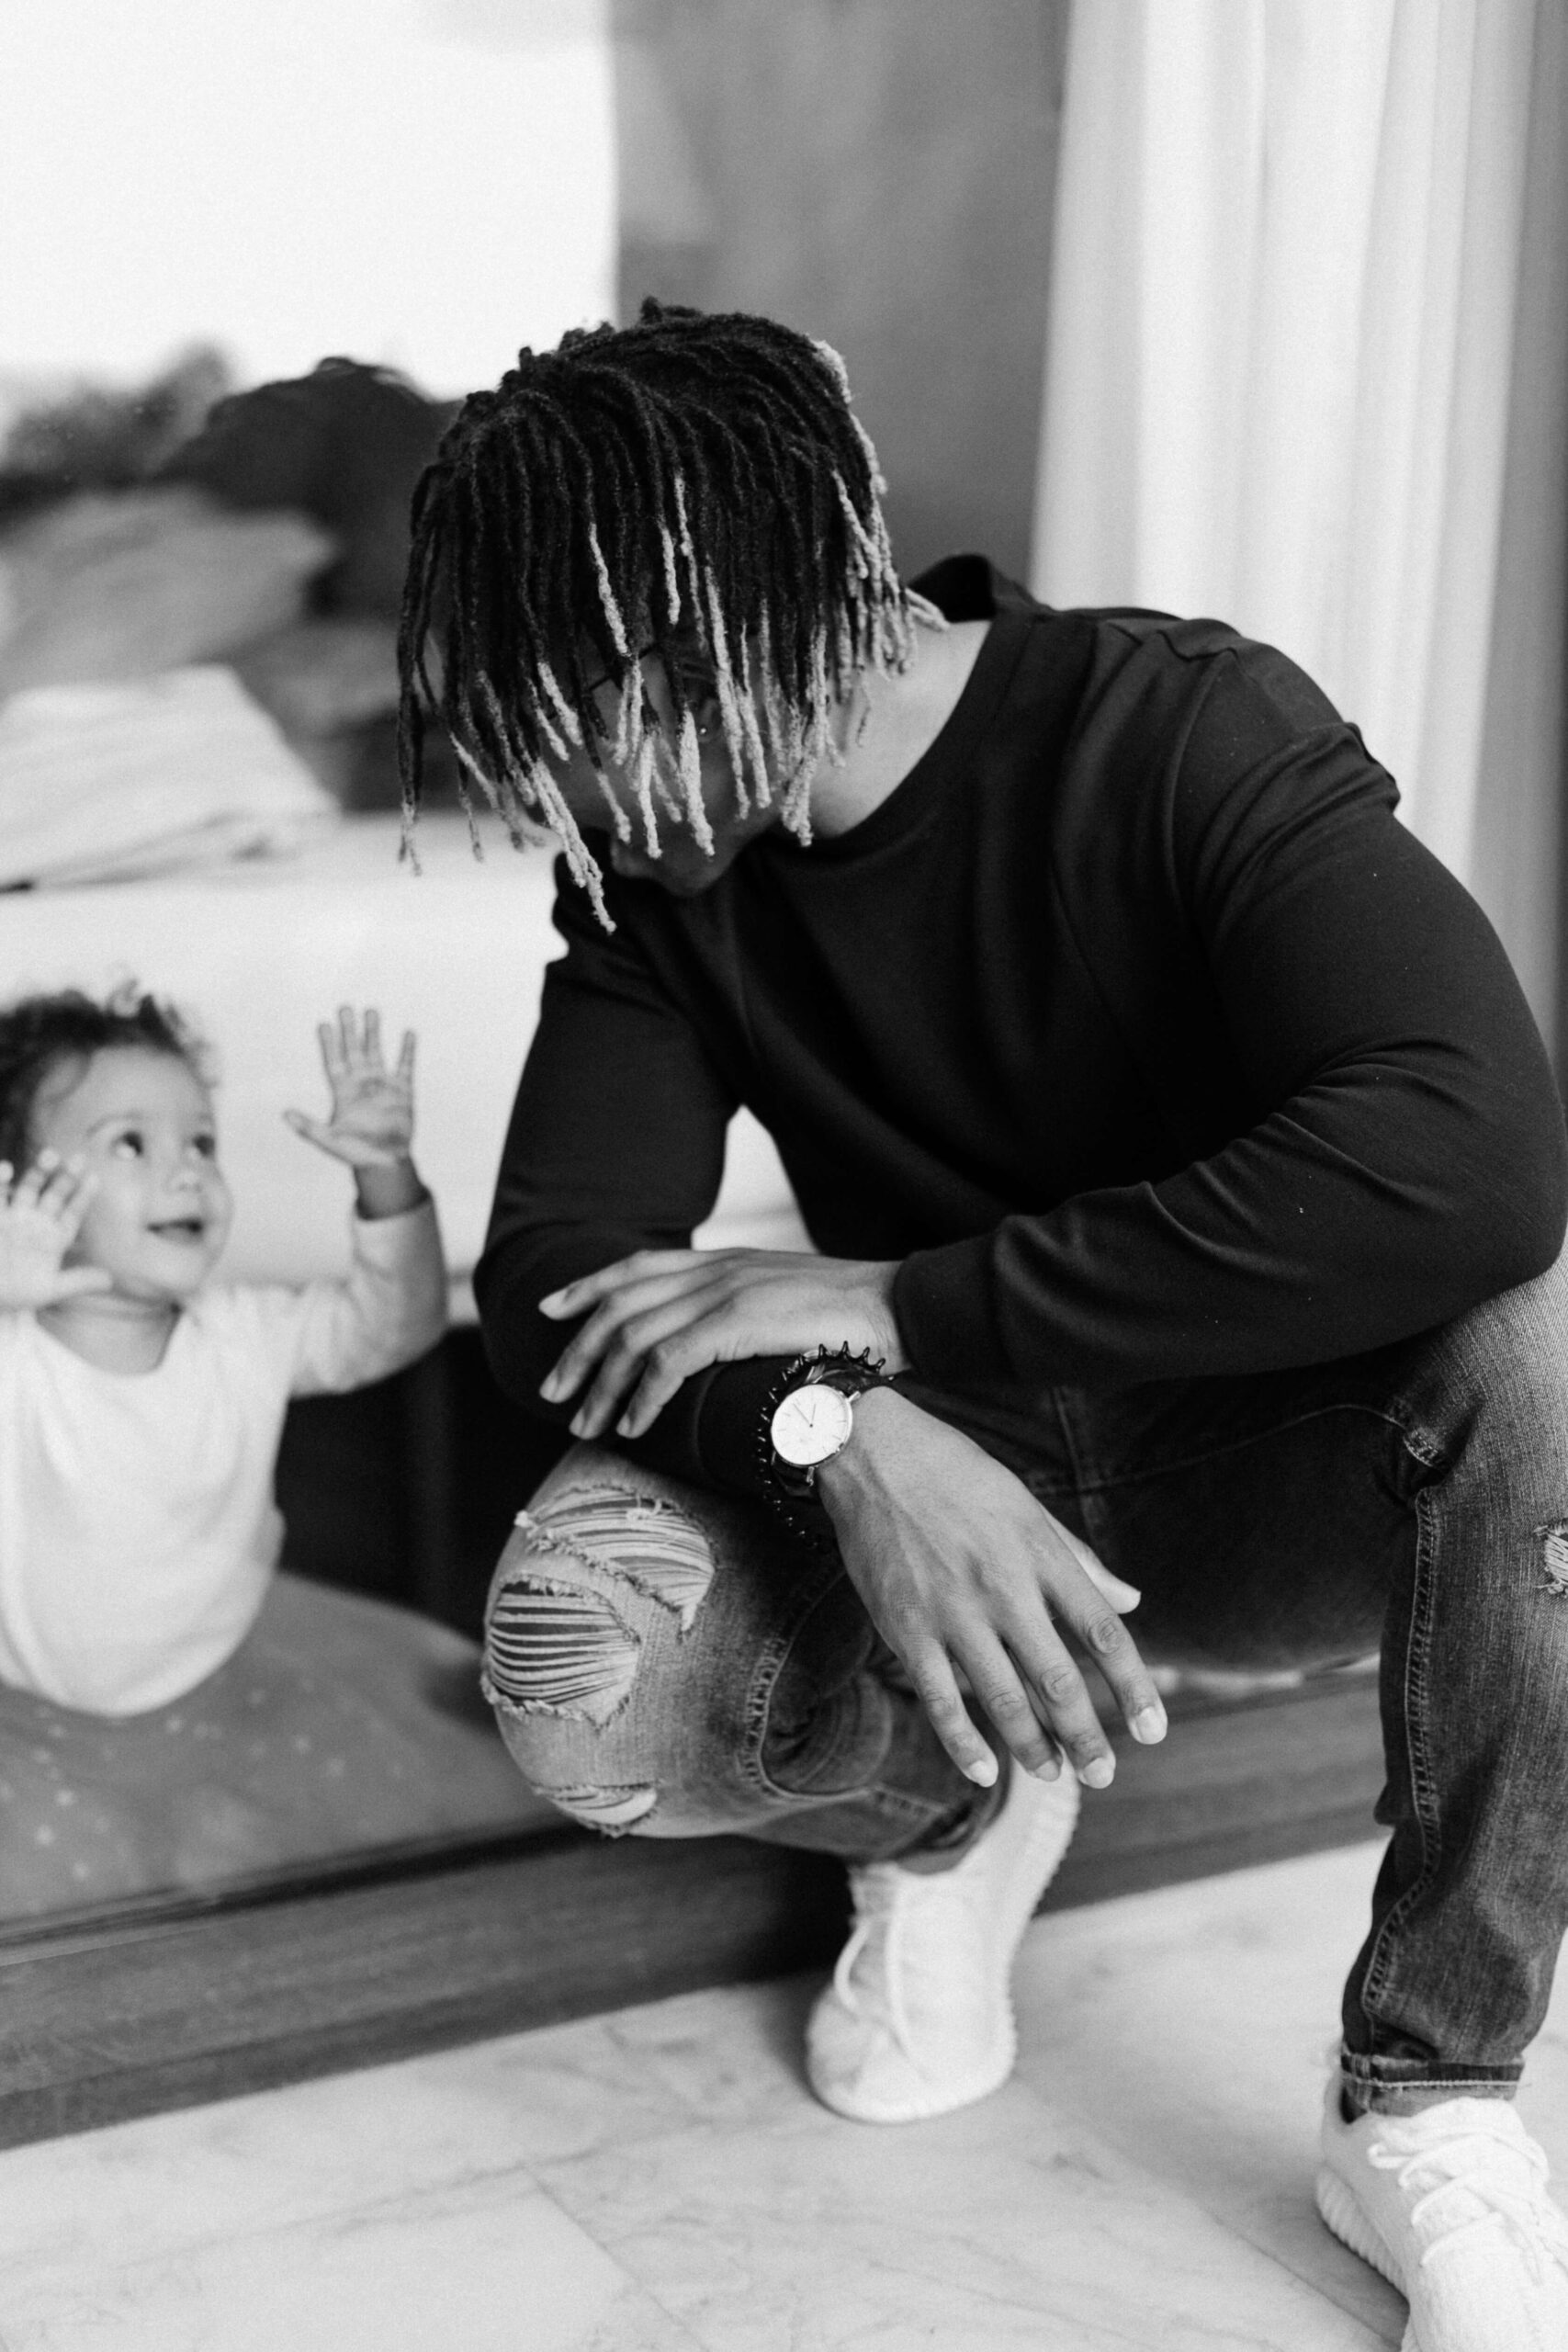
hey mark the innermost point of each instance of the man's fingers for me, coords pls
(650, 1355)
(1124, 1598)
(371, 1043)
(670, 1361)
(405, 1058)
(1059, 1700)
(998, 1687)
(951, 1720)
(616, 1329)
(1116, 1654)
(576, 1297)
(1100, 1628)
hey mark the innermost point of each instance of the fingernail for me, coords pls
(982, 1771)
(1100, 1774)
(1149, 1725)
(548, 1305)
(1050, 1770)
(549, 1389)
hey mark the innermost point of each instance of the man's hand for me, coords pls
(40, 1216)
(962, 1571)
(663, 1315)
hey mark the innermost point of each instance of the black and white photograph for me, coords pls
(783, 1191)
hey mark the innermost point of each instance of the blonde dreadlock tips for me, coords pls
(695, 489)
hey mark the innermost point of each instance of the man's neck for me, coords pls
(891, 725)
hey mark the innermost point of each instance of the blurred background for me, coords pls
(1251, 307)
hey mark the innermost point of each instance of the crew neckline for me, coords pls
(66, 1354)
(941, 764)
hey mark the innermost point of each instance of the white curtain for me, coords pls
(1307, 370)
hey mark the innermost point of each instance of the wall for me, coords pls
(880, 173)
(422, 182)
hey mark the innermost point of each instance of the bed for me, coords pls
(381, 1741)
(261, 951)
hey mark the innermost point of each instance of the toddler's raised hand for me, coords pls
(371, 1124)
(40, 1216)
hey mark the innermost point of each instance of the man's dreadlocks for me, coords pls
(696, 487)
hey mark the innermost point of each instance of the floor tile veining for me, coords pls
(662, 2180)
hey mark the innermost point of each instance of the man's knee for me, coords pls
(593, 1583)
(1505, 1363)
(562, 1635)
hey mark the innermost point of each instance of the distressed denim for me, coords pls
(667, 1661)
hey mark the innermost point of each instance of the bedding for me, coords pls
(261, 950)
(340, 1727)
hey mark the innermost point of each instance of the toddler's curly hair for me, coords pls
(39, 1033)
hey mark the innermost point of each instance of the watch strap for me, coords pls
(792, 1491)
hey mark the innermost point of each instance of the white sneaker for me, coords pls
(918, 2018)
(1451, 2205)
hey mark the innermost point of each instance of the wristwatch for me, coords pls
(809, 1418)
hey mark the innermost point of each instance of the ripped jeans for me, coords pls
(670, 1662)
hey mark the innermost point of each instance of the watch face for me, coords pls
(811, 1424)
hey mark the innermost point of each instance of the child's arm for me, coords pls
(40, 1216)
(393, 1305)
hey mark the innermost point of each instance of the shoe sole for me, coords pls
(1046, 1830)
(923, 2110)
(1342, 2213)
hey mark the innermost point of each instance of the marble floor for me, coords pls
(660, 2180)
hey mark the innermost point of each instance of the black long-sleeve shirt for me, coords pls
(1133, 1023)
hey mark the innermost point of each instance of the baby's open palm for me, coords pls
(40, 1216)
(371, 1121)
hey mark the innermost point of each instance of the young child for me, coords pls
(141, 1406)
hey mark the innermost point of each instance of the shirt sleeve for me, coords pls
(391, 1308)
(1409, 1158)
(615, 1144)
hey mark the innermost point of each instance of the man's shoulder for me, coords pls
(1187, 656)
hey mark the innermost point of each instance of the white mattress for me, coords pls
(260, 953)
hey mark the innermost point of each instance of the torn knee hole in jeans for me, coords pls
(1553, 1537)
(650, 1544)
(555, 1648)
(556, 1643)
(613, 1810)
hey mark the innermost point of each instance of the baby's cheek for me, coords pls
(94, 1244)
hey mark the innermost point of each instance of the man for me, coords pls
(1189, 1181)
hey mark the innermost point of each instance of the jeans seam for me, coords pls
(770, 1666)
(918, 1811)
(1381, 1961)
(1099, 1480)
(1357, 2066)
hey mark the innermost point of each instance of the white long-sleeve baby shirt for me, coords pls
(138, 1529)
